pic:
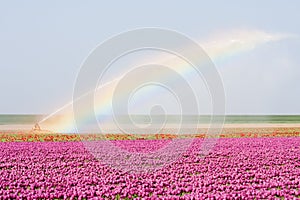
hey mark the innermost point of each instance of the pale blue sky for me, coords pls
(42, 45)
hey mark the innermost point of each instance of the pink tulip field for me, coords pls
(236, 168)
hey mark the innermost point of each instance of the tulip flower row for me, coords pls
(236, 168)
(12, 136)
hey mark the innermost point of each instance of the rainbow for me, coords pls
(219, 49)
